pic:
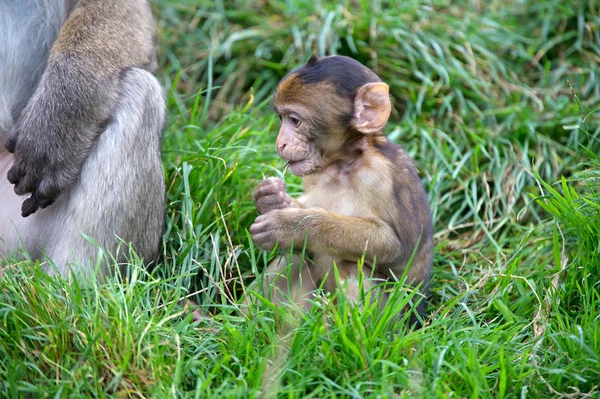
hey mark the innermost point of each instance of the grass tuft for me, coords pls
(497, 101)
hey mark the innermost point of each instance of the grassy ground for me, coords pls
(498, 103)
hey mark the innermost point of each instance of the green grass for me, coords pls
(498, 103)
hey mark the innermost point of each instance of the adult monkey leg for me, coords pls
(120, 194)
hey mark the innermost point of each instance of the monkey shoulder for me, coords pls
(401, 166)
(393, 152)
(408, 200)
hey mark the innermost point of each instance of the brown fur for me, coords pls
(98, 30)
(364, 197)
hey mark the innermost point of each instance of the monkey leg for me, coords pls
(349, 281)
(290, 279)
(120, 193)
(372, 282)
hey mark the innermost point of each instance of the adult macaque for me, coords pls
(362, 193)
(81, 117)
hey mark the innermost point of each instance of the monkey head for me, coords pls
(324, 106)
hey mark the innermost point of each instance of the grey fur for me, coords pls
(76, 96)
(29, 27)
(98, 171)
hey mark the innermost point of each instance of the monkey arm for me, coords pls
(77, 95)
(342, 237)
(106, 37)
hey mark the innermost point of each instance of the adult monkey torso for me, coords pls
(81, 118)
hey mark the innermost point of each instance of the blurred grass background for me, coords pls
(498, 102)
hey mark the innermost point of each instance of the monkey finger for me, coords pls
(264, 192)
(14, 174)
(274, 181)
(261, 191)
(262, 220)
(47, 192)
(30, 206)
(34, 203)
(273, 201)
(264, 241)
(260, 227)
(259, 219)
(45, 202)
(268, 188)
(264, 208)
(11, 144)
(256, 228)
(26, 184)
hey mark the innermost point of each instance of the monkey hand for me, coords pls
(281, 226)
(49, 148)
(270, 195)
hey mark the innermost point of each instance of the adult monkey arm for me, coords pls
(77, 95)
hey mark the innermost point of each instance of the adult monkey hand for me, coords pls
(77, 95)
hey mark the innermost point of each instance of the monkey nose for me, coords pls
(280, 147)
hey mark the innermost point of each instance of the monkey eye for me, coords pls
(294, 120)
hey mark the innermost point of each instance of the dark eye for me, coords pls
(295, 121)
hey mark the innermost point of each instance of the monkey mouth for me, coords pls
(301, 167)
(292, 164)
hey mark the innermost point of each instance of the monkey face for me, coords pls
(296, 141)
(314, 123)
(324, 107)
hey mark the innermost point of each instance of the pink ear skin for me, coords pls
(372, 108)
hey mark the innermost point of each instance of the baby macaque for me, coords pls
(362, 194)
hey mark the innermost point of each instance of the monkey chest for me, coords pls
(337, 199)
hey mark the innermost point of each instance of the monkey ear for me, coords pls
(372, 107)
